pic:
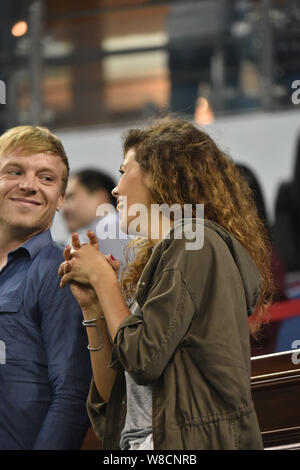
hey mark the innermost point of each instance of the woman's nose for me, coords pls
(115, 192)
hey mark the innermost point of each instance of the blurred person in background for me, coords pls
(45, 368)
(266, 342)
(277, 264)
(87, 190)
(286, 227)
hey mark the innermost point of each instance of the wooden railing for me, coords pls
(275, 387)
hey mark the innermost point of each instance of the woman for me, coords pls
(172, 370)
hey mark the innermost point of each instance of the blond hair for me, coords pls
(34, 139)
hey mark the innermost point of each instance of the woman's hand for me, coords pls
(84, 262)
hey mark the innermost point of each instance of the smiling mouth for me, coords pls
(26, 201)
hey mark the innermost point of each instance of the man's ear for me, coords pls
(60, 202)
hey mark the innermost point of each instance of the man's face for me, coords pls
(80, 205)
(30, 191)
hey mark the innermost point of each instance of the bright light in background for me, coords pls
(203, 113)
(19, 29)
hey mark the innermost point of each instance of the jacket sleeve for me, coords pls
(144, 344)
(96, 408)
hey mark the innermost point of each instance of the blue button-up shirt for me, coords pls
(45, 367)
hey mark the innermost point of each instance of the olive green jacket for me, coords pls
(191, 343)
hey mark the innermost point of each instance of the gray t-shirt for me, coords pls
(138, 423)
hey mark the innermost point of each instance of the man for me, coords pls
(45, 369)
(87, 192)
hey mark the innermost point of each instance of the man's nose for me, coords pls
(28, 184)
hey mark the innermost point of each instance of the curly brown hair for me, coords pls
(186, 166)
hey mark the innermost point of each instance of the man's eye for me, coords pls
(121, 171)
(14, 172)
(46, 178)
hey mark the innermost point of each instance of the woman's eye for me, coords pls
(121, 171)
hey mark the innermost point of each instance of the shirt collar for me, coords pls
(35, 244)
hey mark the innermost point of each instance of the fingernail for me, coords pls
(114, 259)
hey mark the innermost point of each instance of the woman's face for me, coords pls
(132, 197)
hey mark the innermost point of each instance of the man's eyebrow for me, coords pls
(19, 165)
(46, 169)
(13, 163)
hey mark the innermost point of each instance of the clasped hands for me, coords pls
(85, 264)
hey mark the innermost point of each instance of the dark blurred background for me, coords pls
(86, 62)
